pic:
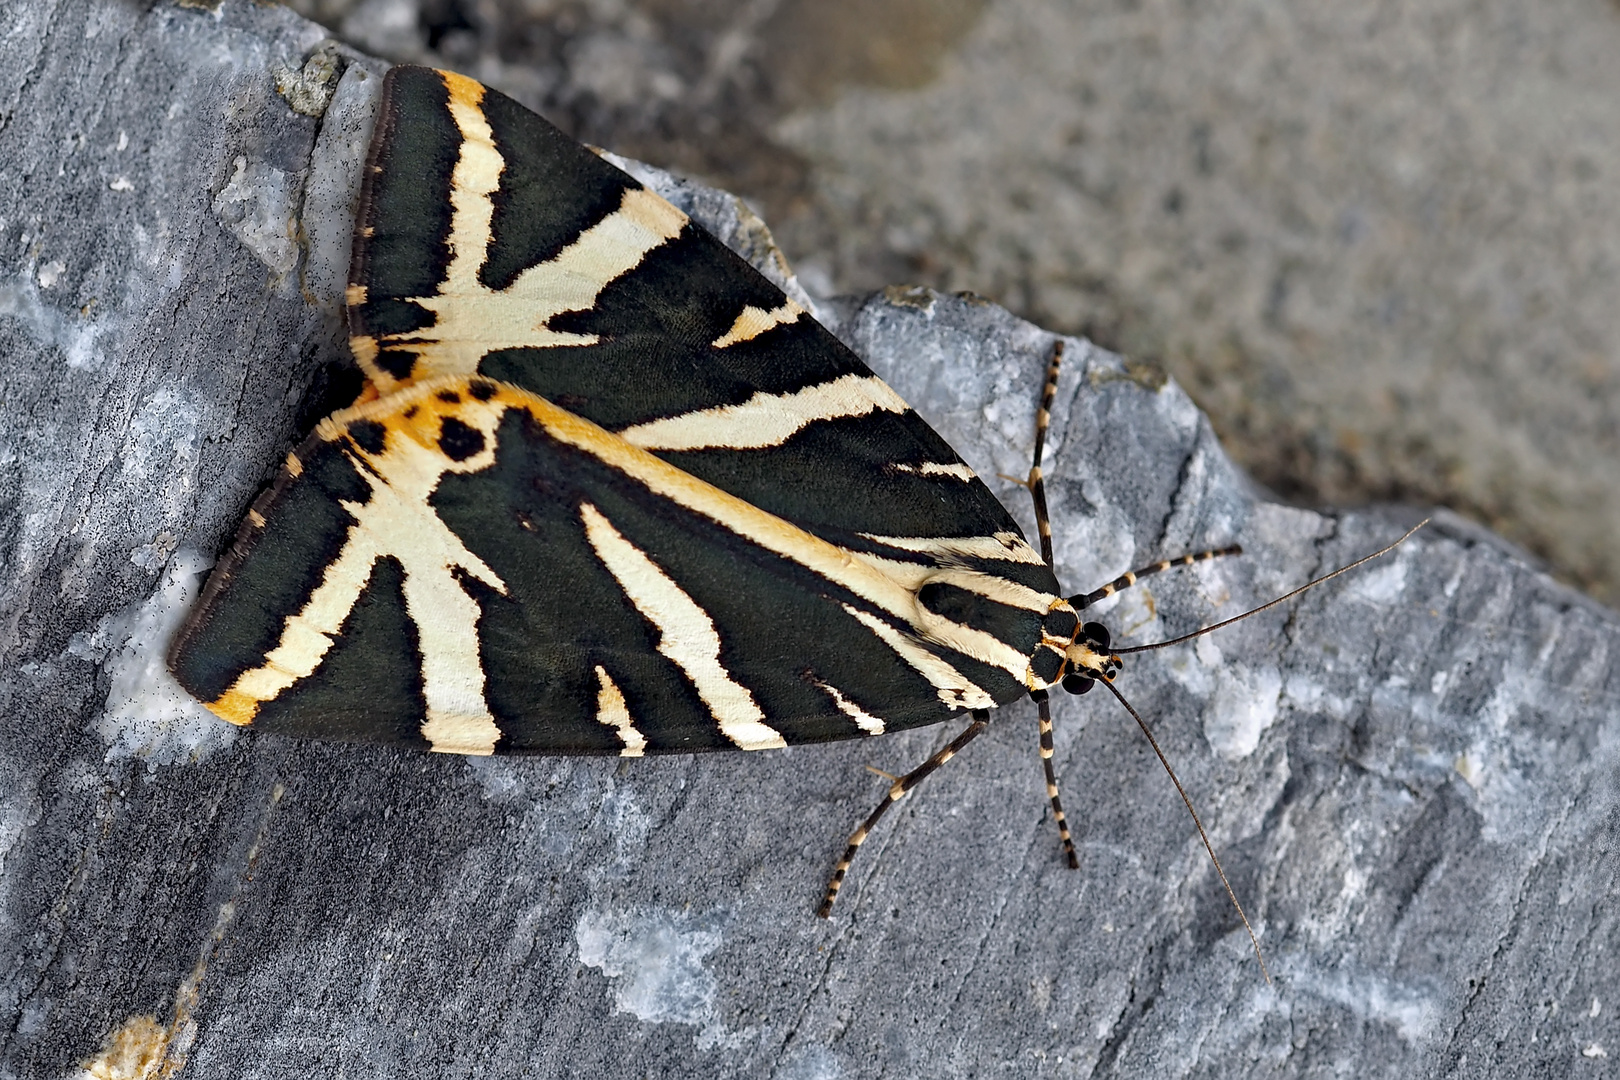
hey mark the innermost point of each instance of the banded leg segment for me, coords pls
(1044, 706)
(1043, 420)
(1125, 581)
(897, 791)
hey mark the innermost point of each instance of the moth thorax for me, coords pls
(1089, 658)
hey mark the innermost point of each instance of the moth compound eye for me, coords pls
(1078, 684)
(1097, 634)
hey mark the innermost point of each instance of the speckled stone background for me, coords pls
(1378, 243)
(1412, 775)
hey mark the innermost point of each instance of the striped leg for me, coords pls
(1043, 525)
(1043, 420)
(981, 720)
(1125, 581)
(1044, 706)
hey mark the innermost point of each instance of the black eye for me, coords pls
(1097, 633)
(1077, 684)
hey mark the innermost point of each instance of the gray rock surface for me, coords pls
(1410, 774)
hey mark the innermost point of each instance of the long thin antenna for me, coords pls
(1273, 603)
(1202, 835)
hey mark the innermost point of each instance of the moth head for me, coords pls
(1089, 658)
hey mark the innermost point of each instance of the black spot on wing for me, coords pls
(368, 688)
(269, 573)
(459, 441)
(397, 362)
(369, 436)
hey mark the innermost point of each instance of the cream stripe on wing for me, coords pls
(754, 321)
(307, 635)
(471, 318)
(475, 320)
(959, 471)
(1003, 546)
(613, 711)
(863, 719)
(766, 420)
(915, 575)
(476, 177)
(686, 633)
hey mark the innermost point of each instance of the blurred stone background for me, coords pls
(1412, 772)
(1379, 243)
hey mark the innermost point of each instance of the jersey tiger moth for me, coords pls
(610, 491)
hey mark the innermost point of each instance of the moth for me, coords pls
(610, 491)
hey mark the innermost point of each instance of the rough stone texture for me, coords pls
(1410, 774)
(1379, 243)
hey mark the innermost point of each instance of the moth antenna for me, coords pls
(896, 792)
(1273, 603)
(1202, 835)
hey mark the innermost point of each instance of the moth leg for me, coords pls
(1043, 525)
(1044, 707)
(981, 719)
(1125, 581)
(1043, 420)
